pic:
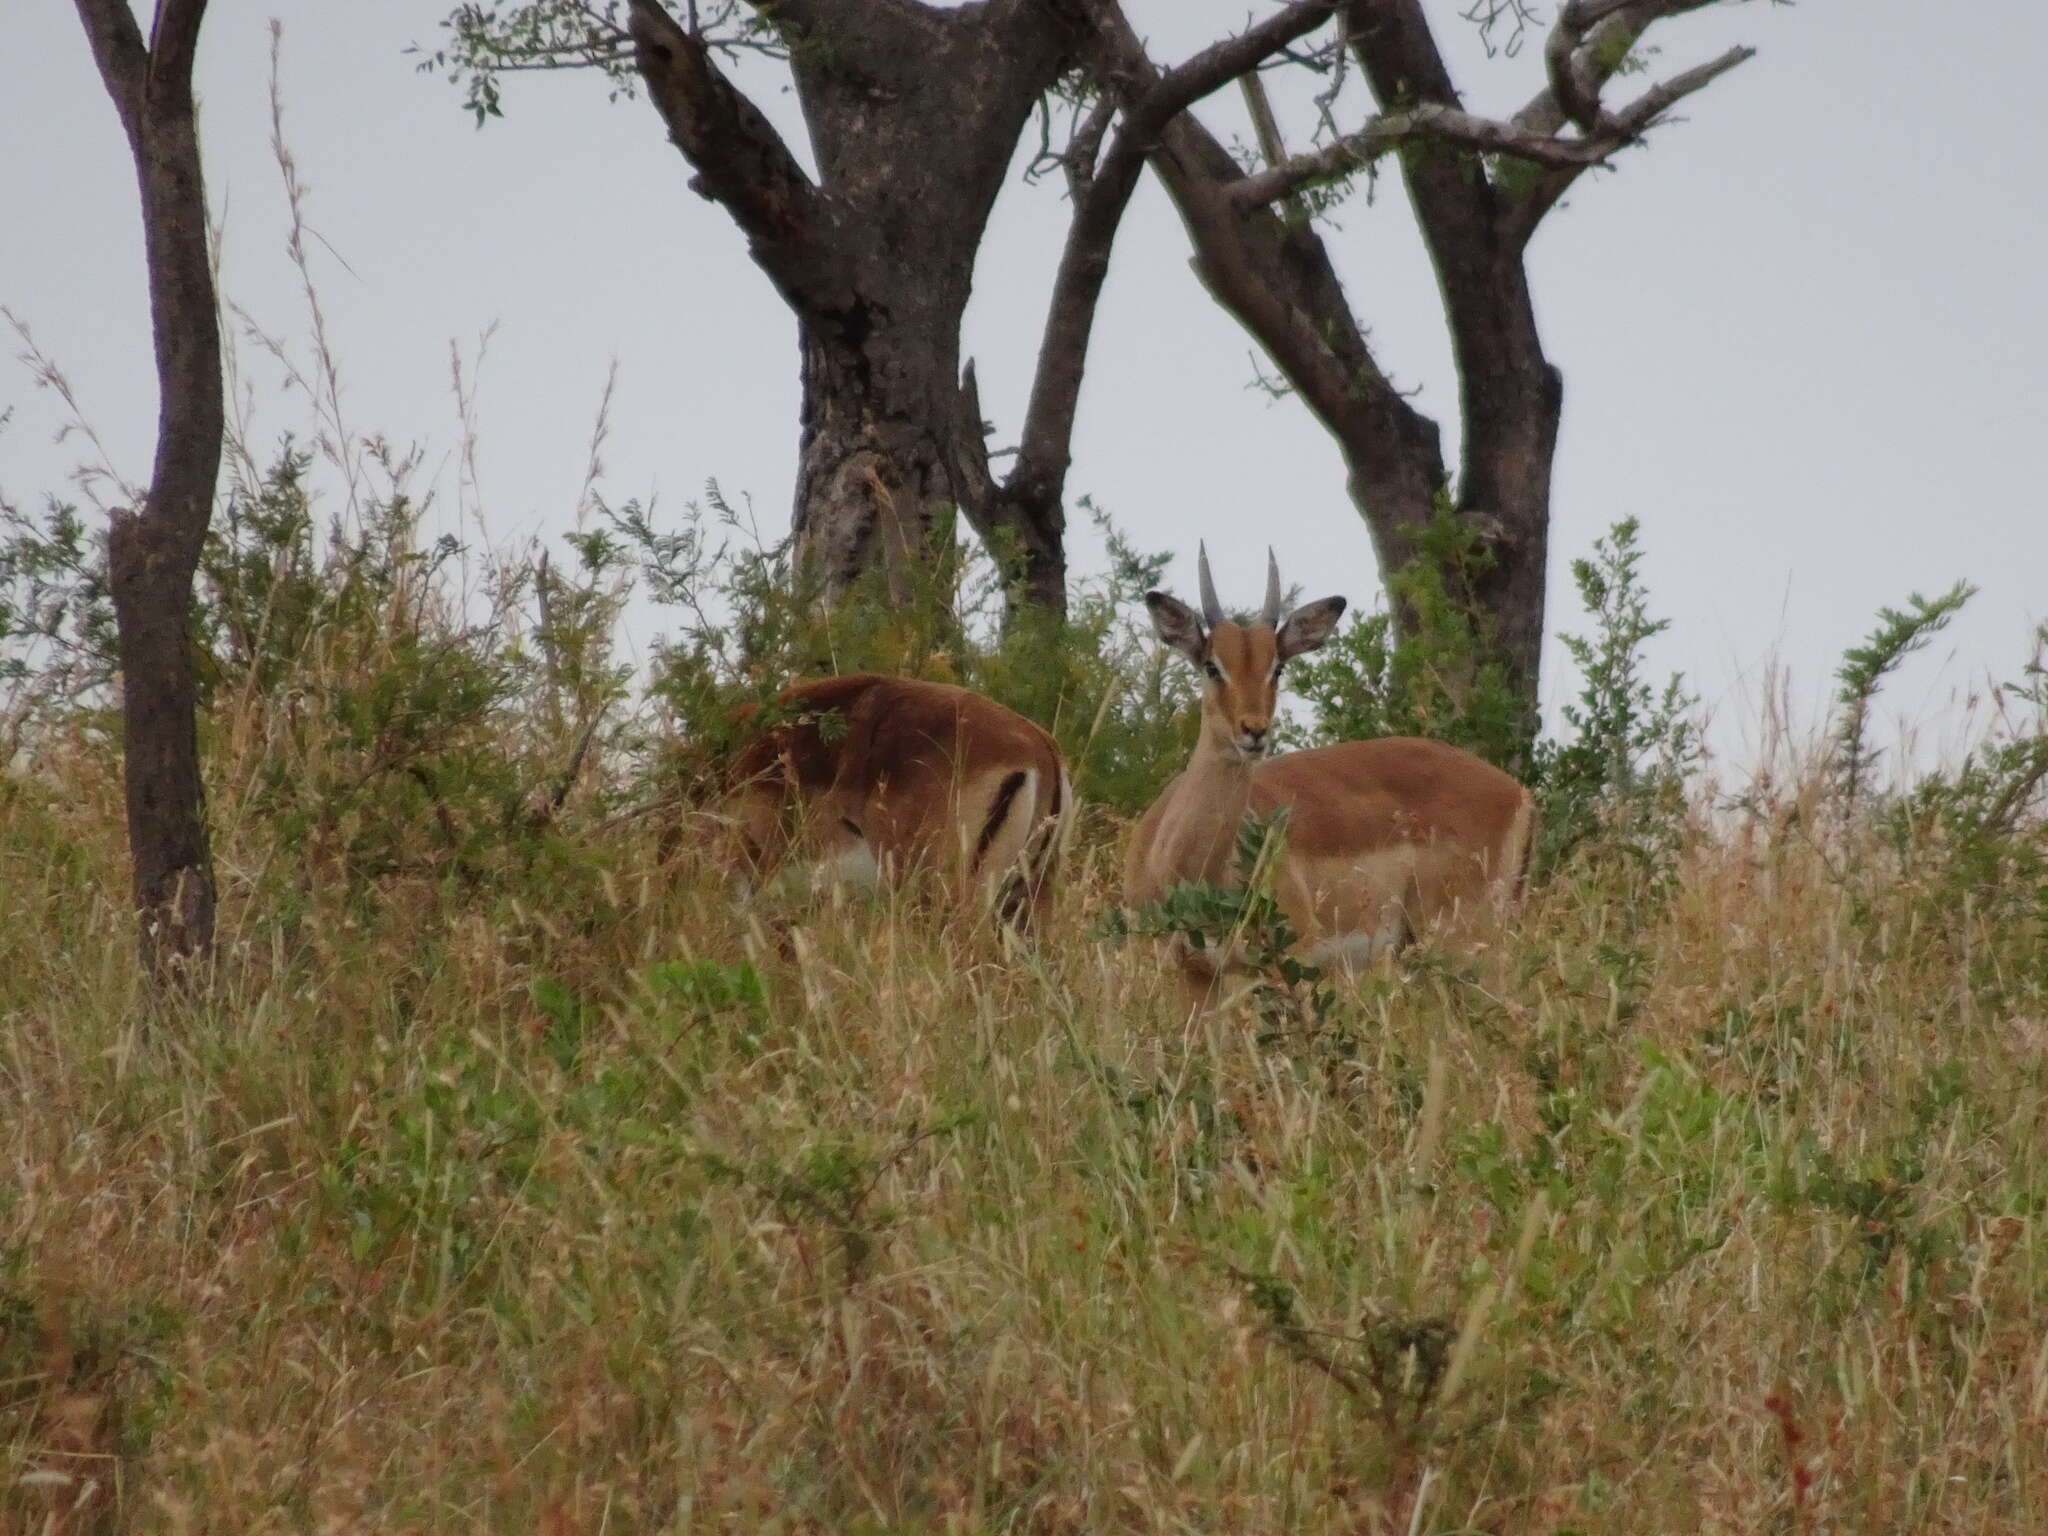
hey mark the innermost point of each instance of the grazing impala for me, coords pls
(1384, 838)
(862, 778)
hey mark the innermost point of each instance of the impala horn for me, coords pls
(1272, 613)
(1212, 611)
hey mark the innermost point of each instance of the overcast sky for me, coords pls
(1803, 334)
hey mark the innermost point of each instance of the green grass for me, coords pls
(583, 1201)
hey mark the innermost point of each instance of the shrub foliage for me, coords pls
(509, 1176)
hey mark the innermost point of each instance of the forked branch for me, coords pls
(1104, 181)
(1587, 47)
(1432, 121)
(741, 161)
(118, 51)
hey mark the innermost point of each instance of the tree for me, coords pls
(153, 553)
(1479, 188)
(914, 114)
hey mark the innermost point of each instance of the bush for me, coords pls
(1621, 765)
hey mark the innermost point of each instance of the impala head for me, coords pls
(1240, 663)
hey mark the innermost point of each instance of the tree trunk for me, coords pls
(1504, 494)
(153, 554)
(1273, 273)
(915, 115)
(167, 837)
(1510, 396)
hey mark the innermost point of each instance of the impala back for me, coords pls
(867, 778)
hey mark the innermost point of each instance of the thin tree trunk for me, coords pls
(154, 553)
(1510, 395)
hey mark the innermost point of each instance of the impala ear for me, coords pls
(1310, 626)
(1175, 623)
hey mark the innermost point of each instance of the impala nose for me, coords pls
(1255, 738)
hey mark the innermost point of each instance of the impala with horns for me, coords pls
(1383, 839)
(863, 778)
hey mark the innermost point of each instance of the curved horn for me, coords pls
(1212, 611)
(1272, 613)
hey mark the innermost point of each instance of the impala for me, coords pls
(1383, 839)
(863, 778)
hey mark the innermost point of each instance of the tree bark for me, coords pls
(1510, 396)
(153, 553)
(914, 115)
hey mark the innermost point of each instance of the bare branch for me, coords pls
(1085, 147)
(1588, 45)
(1157, 99)
(174, 38)
(1577, 96)
(1389, 131)
(1628, 126)
(1642, 114)
(1216, 66)
(1265, 126)
(741, 161)
(117, 50)
(1451, 125)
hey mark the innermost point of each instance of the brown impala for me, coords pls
(862, 778)
(1384, 838)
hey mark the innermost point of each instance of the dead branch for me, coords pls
(741, 161)
(1437, 123)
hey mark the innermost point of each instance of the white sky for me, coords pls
(1801, 334)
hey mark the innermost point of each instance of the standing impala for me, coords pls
(862, 778)
(1384, 838)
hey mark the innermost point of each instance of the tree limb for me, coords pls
(1276, 278)
(741, 161)
(1220, 63)
(1616, 131)
(117, 50)
(1044, 454)
(174, 38)
(1589, 43)
(1390, 130)
(1084, 149)
(1576, 92)
(1265, 126)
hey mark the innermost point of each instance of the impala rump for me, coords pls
(868, 778)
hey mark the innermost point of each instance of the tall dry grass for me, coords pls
(585, 1200)
(511, 1177)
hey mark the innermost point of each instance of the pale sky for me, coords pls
(1802, 333)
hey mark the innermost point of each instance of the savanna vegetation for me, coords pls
(508, 1175)
(497, 1170)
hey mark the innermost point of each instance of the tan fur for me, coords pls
(910, 775)
(1385, 838)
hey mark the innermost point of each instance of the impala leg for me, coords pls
(1361, 950)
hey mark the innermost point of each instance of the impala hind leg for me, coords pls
(1360, 950)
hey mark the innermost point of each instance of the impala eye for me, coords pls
(1213, 670)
